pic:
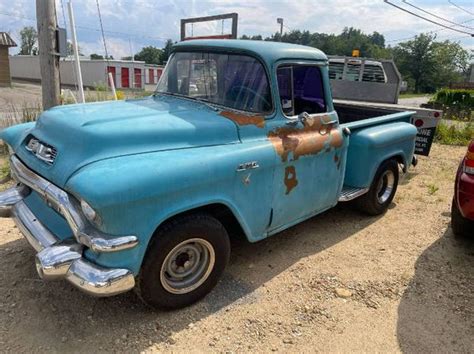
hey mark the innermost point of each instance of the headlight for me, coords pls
(89, 213)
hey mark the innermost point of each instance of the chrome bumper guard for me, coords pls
(68, 207)
(58, 259)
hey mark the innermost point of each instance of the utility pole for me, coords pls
(49, 59)
(280, 21)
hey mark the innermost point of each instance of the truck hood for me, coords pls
(85, 133)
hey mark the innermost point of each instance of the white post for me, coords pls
(76, 53)
(112, 85)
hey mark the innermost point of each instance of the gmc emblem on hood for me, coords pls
(41, 150)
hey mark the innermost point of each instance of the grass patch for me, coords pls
(454, 134)
(413, 95)
(432, 189)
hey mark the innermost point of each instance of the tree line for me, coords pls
(424, 62)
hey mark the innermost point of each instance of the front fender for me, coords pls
(135, 194)
(369, 147)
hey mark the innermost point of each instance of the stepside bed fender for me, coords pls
(369, 147)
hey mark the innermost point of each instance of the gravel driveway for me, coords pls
(340, 282)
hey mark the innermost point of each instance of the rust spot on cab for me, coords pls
(290, 179)
(311, 139)
(244, 119)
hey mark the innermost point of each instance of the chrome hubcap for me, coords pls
(187, 266)
(385, 186)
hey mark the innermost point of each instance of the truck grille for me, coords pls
(42, 151)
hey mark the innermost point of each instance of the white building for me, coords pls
(126, 73)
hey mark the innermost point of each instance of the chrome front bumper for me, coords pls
(58, 259)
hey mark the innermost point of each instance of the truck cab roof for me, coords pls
(269, 52)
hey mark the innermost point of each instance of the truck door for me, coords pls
(309, 144)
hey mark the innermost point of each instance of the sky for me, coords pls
(132, 24)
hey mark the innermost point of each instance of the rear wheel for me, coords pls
(184, 261)
(382, 190)
(460, 225)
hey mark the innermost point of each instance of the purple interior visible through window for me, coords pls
(301, 89)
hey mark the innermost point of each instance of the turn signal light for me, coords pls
(469, 162)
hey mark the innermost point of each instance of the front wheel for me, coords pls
(382, 190)
(184, 261)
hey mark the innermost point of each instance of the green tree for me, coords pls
(166, 51)
(415, 60)
(95, 56)
(452, 63)
(29, 36)
(150, 55)
(430, 65)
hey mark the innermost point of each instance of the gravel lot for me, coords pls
(339, 282)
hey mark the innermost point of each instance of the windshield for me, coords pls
(235, 81)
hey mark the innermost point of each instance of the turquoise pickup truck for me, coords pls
(239, 135)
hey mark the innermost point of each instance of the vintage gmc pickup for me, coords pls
(239, 135)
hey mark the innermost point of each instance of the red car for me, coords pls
(462, 212)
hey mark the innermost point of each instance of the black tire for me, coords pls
(373, 202)
(460, 225)
(152, 282)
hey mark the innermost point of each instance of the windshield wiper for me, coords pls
(208, 103)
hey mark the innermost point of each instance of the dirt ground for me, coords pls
(340, 282)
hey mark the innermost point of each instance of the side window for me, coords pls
(301, 89)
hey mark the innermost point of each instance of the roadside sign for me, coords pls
(426, 123)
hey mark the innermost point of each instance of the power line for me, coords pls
(461, 8)
(427, 19)
(136, 35)
(430, 32)
(434, 15)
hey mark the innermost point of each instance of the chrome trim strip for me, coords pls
(58, 199)
(350, 193)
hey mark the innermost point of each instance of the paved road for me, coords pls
(414, 101)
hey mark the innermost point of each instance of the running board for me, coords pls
(350, 193)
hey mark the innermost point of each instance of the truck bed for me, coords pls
(355, 115)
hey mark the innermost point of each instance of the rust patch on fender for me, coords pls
(311, 139)
(290, 179)
(244, 119)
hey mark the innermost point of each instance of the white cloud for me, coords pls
(149, 22)
(118, 48)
